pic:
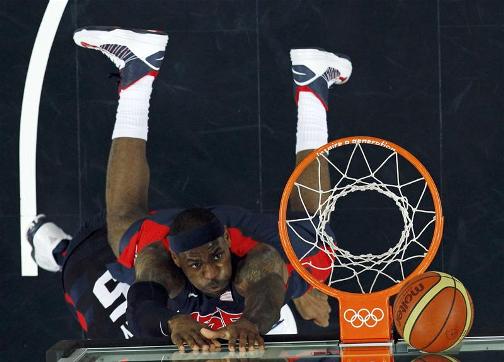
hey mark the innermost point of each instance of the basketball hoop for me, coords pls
(385, 168)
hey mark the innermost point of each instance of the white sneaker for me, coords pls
(316, 71)
(44, 236)
(136, 53)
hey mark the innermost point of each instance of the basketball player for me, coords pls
(206, 273)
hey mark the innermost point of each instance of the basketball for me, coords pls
(435, 358)
(433, 312)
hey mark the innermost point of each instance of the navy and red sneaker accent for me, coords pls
(135, 52)
(316, 70)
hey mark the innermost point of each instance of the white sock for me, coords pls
(312, 123)
(133, 111)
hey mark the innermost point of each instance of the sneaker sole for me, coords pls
(110, 35)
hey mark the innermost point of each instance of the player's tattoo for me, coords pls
(155, 264)
(261, 280)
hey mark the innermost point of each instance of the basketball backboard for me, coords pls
(471, 349)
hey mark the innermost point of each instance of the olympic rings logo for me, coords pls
(363, 317)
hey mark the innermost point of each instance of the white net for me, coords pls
(383, 172)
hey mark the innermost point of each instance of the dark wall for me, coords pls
(428, 75)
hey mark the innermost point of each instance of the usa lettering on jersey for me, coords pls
(216, 320)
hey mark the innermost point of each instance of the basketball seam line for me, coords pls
(420, 312)
(447, 316)
(426, 291)
(469, 309)
(407, 331)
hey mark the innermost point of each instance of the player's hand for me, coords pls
(243, 330)
(314, 306)
(186, 331)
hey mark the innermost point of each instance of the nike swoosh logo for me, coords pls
(155, 60)
(302, 74)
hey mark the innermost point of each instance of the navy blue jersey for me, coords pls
(215, 312)
(245, 229)
(96, 283)
(95, 297)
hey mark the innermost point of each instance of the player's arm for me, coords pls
(154, 264)
(157, 279)
(261, 279)
(127, 187)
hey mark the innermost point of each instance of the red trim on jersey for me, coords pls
(321, 260)
(127, 257)
(80, 316)
(240, 244)
(149, 232)
(82, 321)
(305, 88)
(69, 300)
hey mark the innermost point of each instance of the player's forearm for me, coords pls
(154, 264)
(147, 311)
(157, 279)
(263, 302)
(127, 186)
(261, 281)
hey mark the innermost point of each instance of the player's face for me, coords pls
(208, 267)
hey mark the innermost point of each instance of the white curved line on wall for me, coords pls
(28, 126)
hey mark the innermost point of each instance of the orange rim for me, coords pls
(284, 236)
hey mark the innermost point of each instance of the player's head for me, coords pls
(199, 246)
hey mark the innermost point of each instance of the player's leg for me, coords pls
(49, 243)
(314, 72)
(138, 54)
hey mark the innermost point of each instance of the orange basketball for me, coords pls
(435, 358)
(433, 312)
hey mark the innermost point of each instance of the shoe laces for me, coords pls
(118, 54)
(331, 75)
